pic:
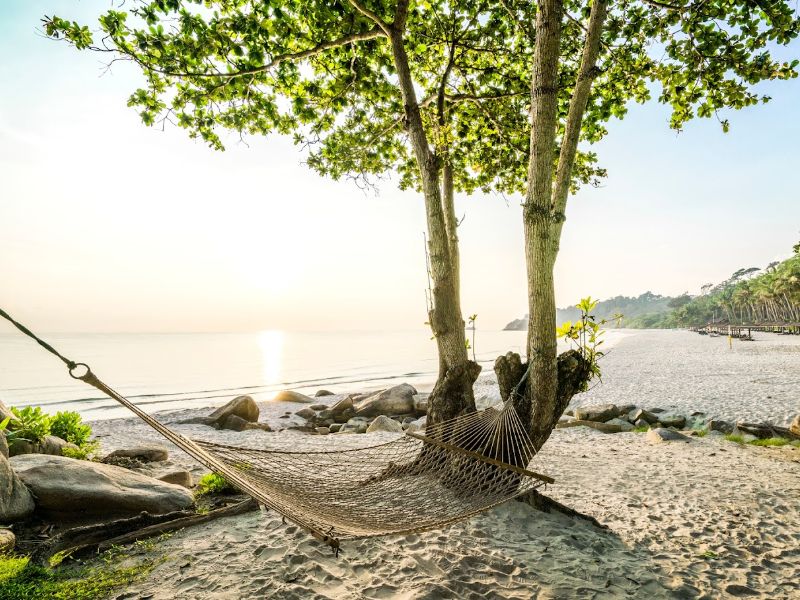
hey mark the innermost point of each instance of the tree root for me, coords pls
(546, 504)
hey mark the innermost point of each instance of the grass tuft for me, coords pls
(212, 483)
(642, 429)
(735, 438)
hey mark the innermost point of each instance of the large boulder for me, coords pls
(384, 423)
(16, 502)
(289, 396)
(243, 407)
(73, 489)
(676, 421)
(660, 435)
(142, 453)
(794, 427)
(600, 413)
(398, 400)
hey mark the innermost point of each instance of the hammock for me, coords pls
(411, 483)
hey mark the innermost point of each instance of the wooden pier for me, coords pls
(745, 331)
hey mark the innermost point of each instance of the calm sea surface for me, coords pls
(167, 371)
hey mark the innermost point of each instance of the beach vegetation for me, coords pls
(213, 483)
(735, 438)
(708, 554)
(31, 423)
(87, 451)
(20, 580)
(641, 429)
(702, 432)
(772, 442)
(69, 426)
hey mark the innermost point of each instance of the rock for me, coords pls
(142, 453)
(384, 423)
(197, 421)
(342, 406)
(181, 478)
(289, 396)
(325, 414)
(345, 415)
(600, 413)
(394, 401)
(600, 426)
(418, 425)
(408, 421)
(656, 411)
(676, 421)
(7, 541)
(421, 403)
(353, 426)
(16, 502)
(621, 423)
(795, 425)
(659, 435)
(641, 423)
(74, 488)
(641, 414)
(725, 427)
(318, 407)
(260, 426)
(321, 393)
(323, 430)
(234, 423)
(3, 445)
(243, 407)
(306, 413)
(565, 419)
(335, 427)
(50, 444)
(624, 409)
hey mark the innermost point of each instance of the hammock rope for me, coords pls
(415, 482)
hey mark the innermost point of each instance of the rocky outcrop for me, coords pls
(600, 412)
(384, 423)
(598, 425)
(73, 489)
(243, 407)
(141, 453)
(517, 324)
(16, 502)
(398, 400)
(49, 444)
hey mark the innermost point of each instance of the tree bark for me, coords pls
(541, 390)
(452, 394)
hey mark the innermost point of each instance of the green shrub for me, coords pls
(213, 483)
(86, 451)
(69, 426)
(31, 424)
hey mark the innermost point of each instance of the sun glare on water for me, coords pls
(271, 345)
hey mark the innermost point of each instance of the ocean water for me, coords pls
(182, 370)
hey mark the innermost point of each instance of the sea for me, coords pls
(164, 371)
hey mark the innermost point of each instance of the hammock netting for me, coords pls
(414, 482)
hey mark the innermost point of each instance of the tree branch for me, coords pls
(371, 16)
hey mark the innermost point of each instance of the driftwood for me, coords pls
(100, 537)
(767, 430)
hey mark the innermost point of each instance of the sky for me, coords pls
(107, 225)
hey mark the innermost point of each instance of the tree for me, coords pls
(368, 87)
(706, 55)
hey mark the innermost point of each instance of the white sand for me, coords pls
(705, 519)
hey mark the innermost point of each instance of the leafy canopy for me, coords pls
(323, 72)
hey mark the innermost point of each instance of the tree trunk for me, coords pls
(452, 394)
(541, 389)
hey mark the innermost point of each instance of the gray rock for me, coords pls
(421, 403)
(289, 396)
(259, 426)
(676, 421)
(358, 421)
(354, 426)
(641, 414)
(16, 502)
(7, 541)
(621, 423)
(334, 427)
(143, 453)
(384, 423)
(418, 425)
(624, 409)
(327, 413)
(3, 445)
(598, 425)
(321, 393)
(659, 435)
(599, 413)
(318, 407)
(243, 407)
(306, 413)
(641, 423)
(197, 421)
(181, 478)
(794, 427)
(323, 430)
(725, 427)
(234, 423)
(408, 420)
(656, 411)
(394, 401)
(49, 444)
(74, 488)
(565, 419)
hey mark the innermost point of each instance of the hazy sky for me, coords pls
(106, 225)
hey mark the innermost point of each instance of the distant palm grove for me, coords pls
(749, 296)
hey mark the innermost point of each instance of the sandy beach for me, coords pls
(704, 519)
